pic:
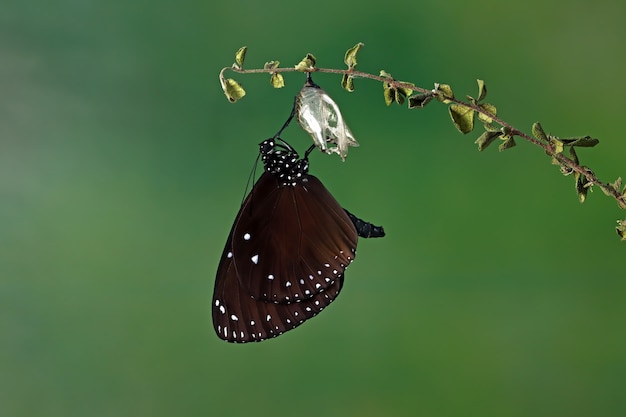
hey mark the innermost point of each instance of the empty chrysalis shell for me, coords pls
(319, 115)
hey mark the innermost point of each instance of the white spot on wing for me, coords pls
(255, 259)
(270, 277)
(234, 318)
(246, 236)
(268, 318)
(288, 284)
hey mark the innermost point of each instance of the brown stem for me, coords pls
(547, 147)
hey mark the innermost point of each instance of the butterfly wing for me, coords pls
(291, 242)
(237, 317)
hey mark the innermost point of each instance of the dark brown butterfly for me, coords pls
(286, 253)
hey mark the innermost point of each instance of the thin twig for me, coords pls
(546, 146)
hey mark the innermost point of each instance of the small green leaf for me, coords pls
(444, 92)
(482, 90)
(565, 170)
(399, 96)
(572, 152)
(462, 117)
(277, 80)
(508, 143)
(419, 100)
(612, 188)
(538, 132)
(581, 141)
(581, 186)
(486, 139)
(492, 128)
(406, 92)
(240, 56)
(347, 82)
(489, 108)
(389, 93)
(307, 63)
(350, 57)
(233, 90)
(621, 229)
(557, 144)
(271, 65)
(385, 74)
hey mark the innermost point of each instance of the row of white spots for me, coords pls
(241, 336)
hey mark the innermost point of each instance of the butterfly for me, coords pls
(286, 253)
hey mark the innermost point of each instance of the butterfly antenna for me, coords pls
(250, 178)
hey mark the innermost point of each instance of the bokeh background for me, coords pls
(122, 166)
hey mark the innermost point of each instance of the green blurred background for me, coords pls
(122, 166)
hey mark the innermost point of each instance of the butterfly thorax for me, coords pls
(284, 163)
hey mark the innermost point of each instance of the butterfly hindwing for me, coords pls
(237, 317)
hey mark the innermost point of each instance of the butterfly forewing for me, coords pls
(237, 317)
(291, 243)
